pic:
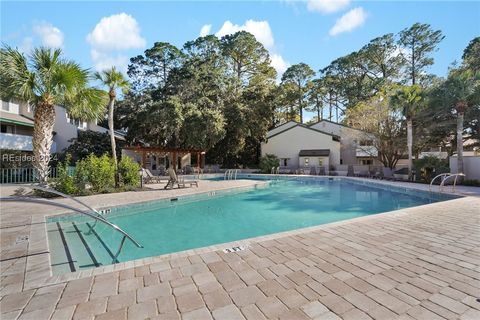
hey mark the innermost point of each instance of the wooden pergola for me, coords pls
(173, 153)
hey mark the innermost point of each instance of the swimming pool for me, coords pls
(198, 221)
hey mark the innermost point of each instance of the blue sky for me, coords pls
(293, 31)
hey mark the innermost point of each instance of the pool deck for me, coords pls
(415, 263)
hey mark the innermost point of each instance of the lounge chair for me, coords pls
(179, 181)
(148, 177)
(341, 170)
(361, 171)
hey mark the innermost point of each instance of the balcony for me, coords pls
(366, 151)
(12, 141)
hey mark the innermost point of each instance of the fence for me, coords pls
(26, 175)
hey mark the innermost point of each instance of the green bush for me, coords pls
(65, 182)
(128, 171)
(267, 162)
(97, 172)
(428, 167)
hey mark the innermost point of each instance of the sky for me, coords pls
(101, 34)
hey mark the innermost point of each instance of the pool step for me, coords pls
(80, 247)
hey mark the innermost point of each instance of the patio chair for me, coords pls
(350, 172)
(313, 171)
(179, 181)
(387, 173)
(361, 171)
(341, 170)
(376, 173)
(321, 171)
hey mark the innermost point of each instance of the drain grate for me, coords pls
(21, 239)
(234, 249)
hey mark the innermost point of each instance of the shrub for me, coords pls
(128, 171)
(267, 162)
(65, 182)
(428, 167)
(92, 142)
(98, 172)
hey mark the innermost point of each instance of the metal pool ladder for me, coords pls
(231, 174)
(97, 216)
(445, 177)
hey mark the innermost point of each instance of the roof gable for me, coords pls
(334, 137)
(334, 123)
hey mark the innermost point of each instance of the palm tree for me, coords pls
(461, 91)
(113, 80)
(408, 98)
(45, 79)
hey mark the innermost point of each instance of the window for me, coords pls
(366, 162)
(366, 143)
(6, 128)
(77, 123)
(341, 161)
(320, 161)
(306, 161)
(284, 162)
(5, 106)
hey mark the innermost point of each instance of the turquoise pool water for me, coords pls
(171, 226)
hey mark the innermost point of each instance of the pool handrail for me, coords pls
(445, 177)
(230, 174)
(97, 216)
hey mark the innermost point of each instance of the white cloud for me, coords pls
(50, 35)
(327, 6)
(112, 34)
(279, 63)
(117, 32)
(263, 33)
(349, 21)
(205, 31)
(260, 29)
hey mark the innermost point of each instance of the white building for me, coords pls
(298, 145)
(16, 120)
(324, 143)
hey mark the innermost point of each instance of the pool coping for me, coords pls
(38, 272)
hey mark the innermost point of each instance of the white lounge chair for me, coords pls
(149, 177)
(180, 182)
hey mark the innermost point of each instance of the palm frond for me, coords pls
(112, 79)
(87, 104)
(15, 78)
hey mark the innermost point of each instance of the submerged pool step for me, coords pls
(60, 255)
(78, 247)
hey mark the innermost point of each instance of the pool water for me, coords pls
(171, 226)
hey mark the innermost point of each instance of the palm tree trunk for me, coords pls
(112, 133)
(409, 145)
(44, 120)
(460, 142)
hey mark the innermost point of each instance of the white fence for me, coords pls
(471, 166)
(26, 175)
